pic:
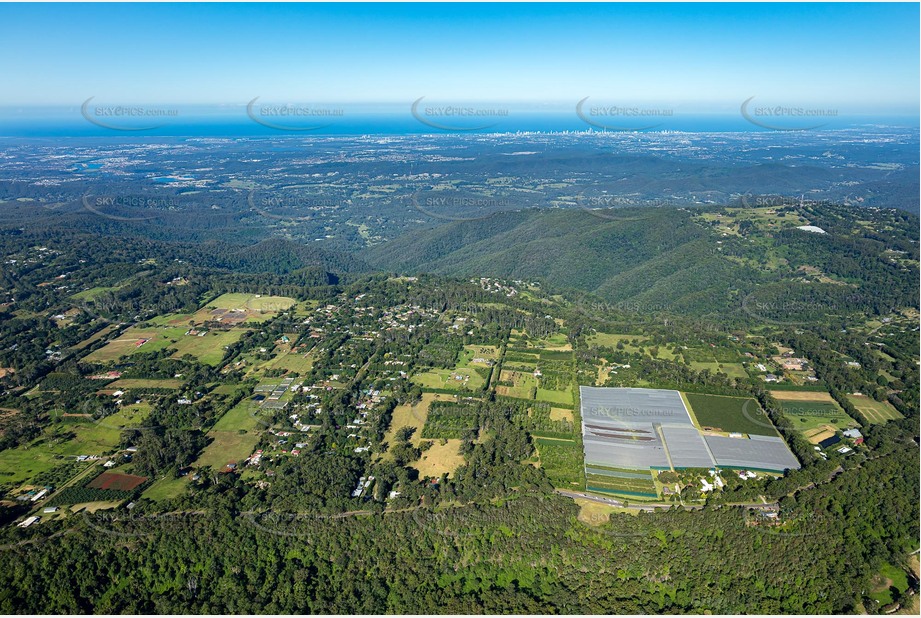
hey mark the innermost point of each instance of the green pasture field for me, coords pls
(442, 379)
(126, 343)
(208, 349)
(563, 397)
(807, 415)
(166, 488)
(733, 414)
(874, 411)
(244, 416)
(142, 383)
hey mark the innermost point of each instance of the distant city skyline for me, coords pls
(856, 58)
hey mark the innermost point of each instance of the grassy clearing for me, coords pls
(300, 364)
(556, 342)
(488, 352)
(440, 459)
(102, 333)
(550, 396)
(518, 384)
(89, 438)
(811, 415)
(412, 416)
(595, 513)
(141, 383)
(225, 389)
(889, 576)
(713, 366)
(92, 293)
(732, 414)
(252, 302)
(560, 414)
(208, 349)
(241, 416)
(92, 507)
(136, 340)
(874, 411)
(451, 379)
(166, 488)
(249, 307)
(227, 447)
(173, 319)
(734, 370)
(632, 344)
(611, 340)
(801, 396)
(18, 465)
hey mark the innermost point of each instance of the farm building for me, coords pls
(853, 434)
(28, 522)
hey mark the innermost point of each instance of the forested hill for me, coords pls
(715, 261)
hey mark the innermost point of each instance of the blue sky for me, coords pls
(856, 57)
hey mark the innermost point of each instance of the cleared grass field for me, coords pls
(208, 349)
(479, 352)
(90, 438)
(734, 370)
(489, 352)
(413, 416)
(451, 379)
(102, 333)
(560, 414)
(523, 384)
(248, 307)
(811, 415)
(141, 383)
(563, 397)
(801, 396)
(166, 488)
(252, 302)
(129, 342)
(18, 465)
(92, 293)
(227, 447)
(713, 366)
(244, 415)
(556, 342)
(874, 411)
(295, 362)
(732, 414)
(595, 513)
(888, 577)
(440, 459)
(173, 319)
(612, 339)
